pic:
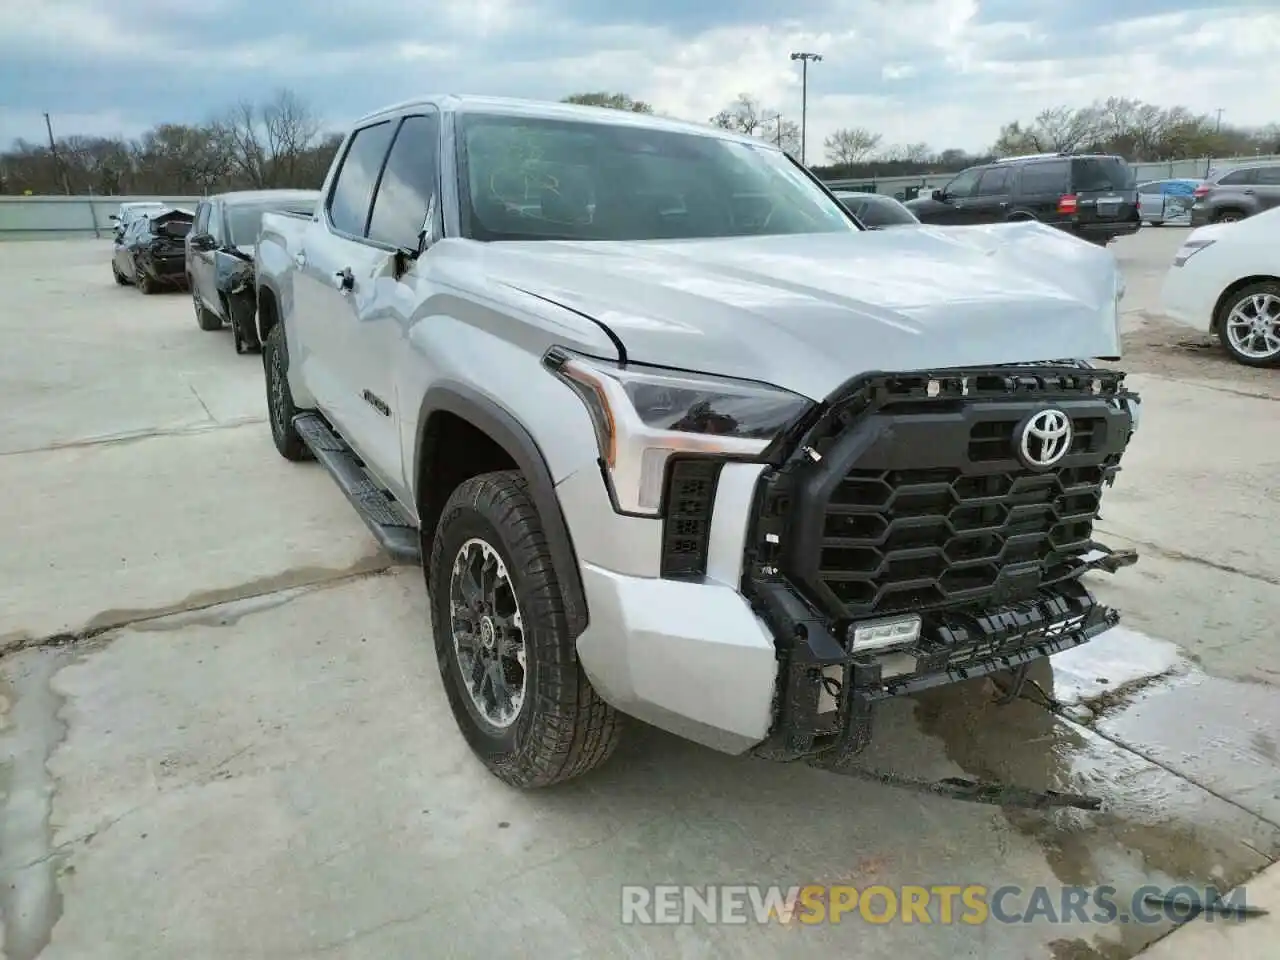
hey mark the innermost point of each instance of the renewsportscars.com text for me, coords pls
(970, 904)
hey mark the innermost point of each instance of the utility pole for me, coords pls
(1218, 127)
(776, 120)
(804, 59)
(53, 150)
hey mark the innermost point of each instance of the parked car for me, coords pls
(1166, 202)
(876, 210)
(129, 211)
(742, 478)
(150, 254)
(1233, 193)
(1225, 278)
(1094, 197)
(219, 257)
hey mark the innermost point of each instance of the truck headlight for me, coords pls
(644, 415)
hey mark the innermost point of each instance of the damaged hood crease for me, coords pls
(806, 312)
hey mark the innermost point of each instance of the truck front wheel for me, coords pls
(506, 658)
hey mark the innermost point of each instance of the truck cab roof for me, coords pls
(512, 106)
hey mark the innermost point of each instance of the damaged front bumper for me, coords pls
(241, 303)
(906, 541)
(827, 692)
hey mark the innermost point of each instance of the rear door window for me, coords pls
(1268, 176)
(409, 184)
(1237, 178)
(1100, 174)
(1049, 178)
(353, 190)
(994, 182)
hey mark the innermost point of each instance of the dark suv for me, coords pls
(1233, 193)
(1094, 196)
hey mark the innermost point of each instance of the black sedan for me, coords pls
(151, 252)
(875, 210)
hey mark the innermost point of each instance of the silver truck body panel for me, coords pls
(805, 313)
(808, 312)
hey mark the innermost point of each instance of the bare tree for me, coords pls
(785, 133)
(744, 115)
(266, 143)
(903, 153)
(1061, 128)
(615, 101)
(850, 145)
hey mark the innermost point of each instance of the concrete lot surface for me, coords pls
(224, 733)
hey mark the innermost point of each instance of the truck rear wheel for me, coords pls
(510, 671)
(280, 408)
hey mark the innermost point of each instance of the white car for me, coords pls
(1225, 279)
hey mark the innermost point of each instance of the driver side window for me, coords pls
(962, 185)
(202, 219)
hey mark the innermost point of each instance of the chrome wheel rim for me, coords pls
(1253, 326)
(488, 633)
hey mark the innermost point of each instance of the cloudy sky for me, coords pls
(946, 72)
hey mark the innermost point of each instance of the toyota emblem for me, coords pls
(1046, 438)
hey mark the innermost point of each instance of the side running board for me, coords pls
(391, 526)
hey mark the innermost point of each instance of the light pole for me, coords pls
(776, 120)
(804, 59)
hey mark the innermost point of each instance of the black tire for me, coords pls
(120, 277)
(280, 408)
(562, 729)
(204, 319)
(245, 341)
(143, 280)
(1265, 288)
(1228, 216)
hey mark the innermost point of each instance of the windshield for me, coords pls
(244, 221)
(1101, 173)
(536, 179)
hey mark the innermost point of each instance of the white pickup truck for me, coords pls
(676, 438)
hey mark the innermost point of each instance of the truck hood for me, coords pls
(807, 312)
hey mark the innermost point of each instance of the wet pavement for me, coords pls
(224, 734)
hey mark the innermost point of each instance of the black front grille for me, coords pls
(686, 531)
(897, 540)
(910, 493)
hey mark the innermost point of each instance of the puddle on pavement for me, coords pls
(1188, 784)
(1115, 666)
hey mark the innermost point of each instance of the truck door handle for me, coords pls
(345, 280)
(300, 258)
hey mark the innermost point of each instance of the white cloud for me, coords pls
(897, 71)
(913, 70)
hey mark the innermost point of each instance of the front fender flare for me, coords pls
(483, 413)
